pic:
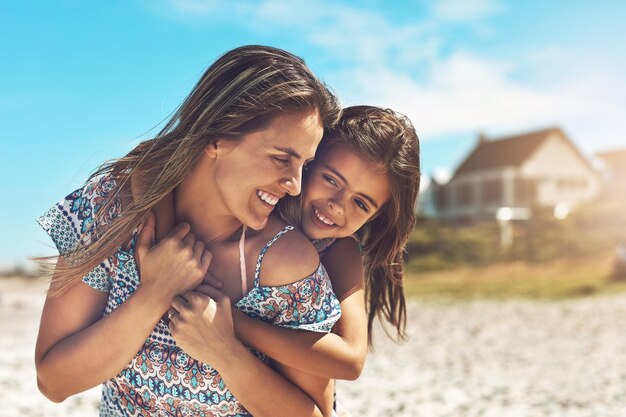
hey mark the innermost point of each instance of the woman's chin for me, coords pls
(256, 222)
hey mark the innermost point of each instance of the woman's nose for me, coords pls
(293, 185)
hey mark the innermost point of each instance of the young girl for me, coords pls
(357, 205)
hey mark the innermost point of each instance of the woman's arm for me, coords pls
(203, 328)
(337, 355)
(77, 348)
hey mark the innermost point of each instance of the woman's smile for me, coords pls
(268, 198)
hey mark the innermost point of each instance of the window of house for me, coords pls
(571, 184)
(523, 191)
(464, 194)
(492, 191)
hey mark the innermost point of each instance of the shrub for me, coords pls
(591, 229)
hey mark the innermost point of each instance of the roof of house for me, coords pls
(618, 155)
(510, 151)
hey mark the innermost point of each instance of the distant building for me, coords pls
(613, 172)
(537, 169)
(425, 205)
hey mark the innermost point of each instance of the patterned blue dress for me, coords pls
(162, 380)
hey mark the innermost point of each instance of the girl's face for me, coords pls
(251, 174)
(343, 191)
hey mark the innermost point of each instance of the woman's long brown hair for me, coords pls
(389, 139)
(240, 93)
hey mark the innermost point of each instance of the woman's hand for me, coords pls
(202, 326)
(175, 265)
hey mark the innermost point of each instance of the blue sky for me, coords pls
(81, 82)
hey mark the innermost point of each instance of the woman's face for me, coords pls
(253, 173)
(343, 191)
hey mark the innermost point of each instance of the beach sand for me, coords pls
(21, 301)
(482, 358)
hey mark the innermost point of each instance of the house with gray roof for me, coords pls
(536, 169)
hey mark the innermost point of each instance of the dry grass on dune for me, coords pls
(559, 279)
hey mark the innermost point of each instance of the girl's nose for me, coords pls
(335, 207)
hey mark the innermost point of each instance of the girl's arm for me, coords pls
(77, 348)
(337, 355)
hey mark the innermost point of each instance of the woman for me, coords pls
(256, 109)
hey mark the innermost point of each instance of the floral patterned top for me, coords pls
(322, 245)
(162, 380)
(305, 305)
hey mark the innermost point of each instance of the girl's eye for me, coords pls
(281, 161)
(330, 180)
(362, 205)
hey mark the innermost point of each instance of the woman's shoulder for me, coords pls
(75, 219)
(288, 258)
(79, 218)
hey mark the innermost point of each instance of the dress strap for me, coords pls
(242, 262)
(257, 272)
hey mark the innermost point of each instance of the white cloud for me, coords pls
(414, 69)
(466, 93)
(459, 93)
(194, 7)
(464, 10)
(442, 175)
(186, 11)
(294, 13)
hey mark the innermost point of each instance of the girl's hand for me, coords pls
(203, 327)
(175, 265)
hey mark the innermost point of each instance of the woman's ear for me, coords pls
(220, 147)
(212, 149)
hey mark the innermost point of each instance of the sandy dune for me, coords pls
(21, 301)
(483, 358)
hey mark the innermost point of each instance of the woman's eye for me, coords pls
(330, 180)
(281, 161)
(362, 205)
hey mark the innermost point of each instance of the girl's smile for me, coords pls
(322, 220)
